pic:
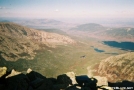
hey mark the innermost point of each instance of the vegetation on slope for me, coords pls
(21, 42)
(118, 68)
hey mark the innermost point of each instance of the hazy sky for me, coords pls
(67, 8)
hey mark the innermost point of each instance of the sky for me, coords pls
(67, 9)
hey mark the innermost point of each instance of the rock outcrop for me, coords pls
(19, 42)
(13, 73)
(118, 68)
(35, 81)
(2, 71)
(72, 77)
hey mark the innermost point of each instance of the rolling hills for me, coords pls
(39, 23)
(93, 30)
(90, 27)
(117, 34)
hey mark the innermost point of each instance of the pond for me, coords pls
(121, 45)
(98, 50)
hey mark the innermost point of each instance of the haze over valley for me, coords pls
(65, 47)
(53, 38)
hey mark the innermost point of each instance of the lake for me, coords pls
(98, 50)
(121, 45)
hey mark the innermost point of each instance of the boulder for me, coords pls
(17, 82)
(2, 71)
(29, 70)
(35, 79)
(85, 82)
(102, 81)
(13, 73)
(64, 81)
(38, 81)
(71, 75)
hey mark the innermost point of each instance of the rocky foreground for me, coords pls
(32, 80)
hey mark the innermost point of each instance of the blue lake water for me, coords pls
(98, 50)
(121, 45)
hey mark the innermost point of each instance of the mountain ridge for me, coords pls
(117, 68)
(19, 41)
(90, 27)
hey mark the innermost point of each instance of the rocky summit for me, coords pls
(14, 80)
(32, 80)
(19, 42)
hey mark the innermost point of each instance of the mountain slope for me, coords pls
(93, 30)
(117, 34)
(118, 68)
(21, 42)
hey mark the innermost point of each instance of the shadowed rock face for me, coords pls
(72, 77)
(15, 80)
(20, 42)
(118, 68)
(35, 81)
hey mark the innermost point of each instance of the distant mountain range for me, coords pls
(104, 33)
(40, 23)
(90, 27)
(91, 30)
(118, 34)
(17, 41)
